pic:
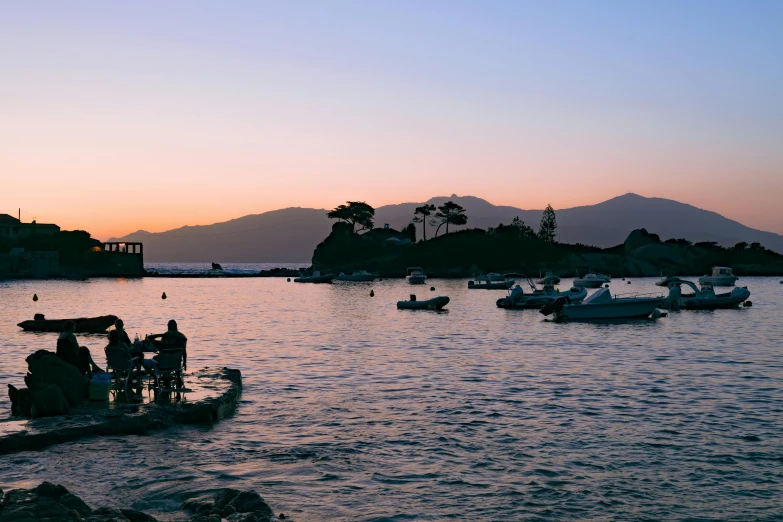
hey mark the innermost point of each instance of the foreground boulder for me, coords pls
(53, 387)
(232, 505)
(53, 503)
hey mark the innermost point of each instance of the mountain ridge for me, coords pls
(258, 237)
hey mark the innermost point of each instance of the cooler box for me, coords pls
(100, 385)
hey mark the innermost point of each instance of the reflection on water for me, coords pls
(354, 410)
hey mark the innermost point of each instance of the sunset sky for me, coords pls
(118, 116)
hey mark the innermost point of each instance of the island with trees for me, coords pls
(356, 243)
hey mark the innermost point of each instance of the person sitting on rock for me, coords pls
(68, 350)
(173, 338)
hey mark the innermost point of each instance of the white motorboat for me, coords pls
(356, 276)
(666, 281)
(492, 281)
(416, 276)
(592, 280)
(703, 298)
(602, 306)
(548, 277)
(721, 276)
(539, 297)
(315, 277)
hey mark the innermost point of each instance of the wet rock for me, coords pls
(232, 505)
(44, 503)
(49, 402)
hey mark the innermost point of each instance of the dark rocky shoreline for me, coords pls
(48, 502)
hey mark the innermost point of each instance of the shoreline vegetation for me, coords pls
(356, 244)
(516, 247)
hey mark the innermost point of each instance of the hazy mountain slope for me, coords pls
(287, 235)
(291, 234)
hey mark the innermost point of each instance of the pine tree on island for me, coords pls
(420, 215)
(449, 213)
(546, 231)
(354, 213)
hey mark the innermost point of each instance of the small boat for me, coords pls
(721, 276)
(315, 277)
(591, 280)
(703, 298)
(416, 276)
(356, 276)
(549, 278)
(436, 303)
(518, 300)
(83, 324)
(602, 306)
(492, 281)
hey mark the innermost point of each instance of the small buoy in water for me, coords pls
(629, 282)
(372, 293)
(606, 286)
(748, 304)
(288, 280)
(281, 517)
(623, 279)
(35, 297)
(656, 314)
(432, 289)
(163, 296)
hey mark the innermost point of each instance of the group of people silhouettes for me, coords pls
(69, 351)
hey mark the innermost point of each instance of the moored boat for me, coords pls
(721, 276)
(703, 298)
(547, 278)
(518, 300)
(492, 281)
(83, 324)
(315, 277)
(356, 276)
(416, 276)
(601, 306)
(436, 303)
(592, 280)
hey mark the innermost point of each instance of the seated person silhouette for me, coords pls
(68, 350)
(173, 338)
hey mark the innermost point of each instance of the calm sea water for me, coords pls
(354, 410)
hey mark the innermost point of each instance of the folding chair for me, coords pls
(169, 365)
(120, 367)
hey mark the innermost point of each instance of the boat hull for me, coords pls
(314, 279)
(617, 309)
(436, 303)
(83, 324)
(589, 283)
(356, 279)
(726, 280)
(503, 285)
(720, 302)
(537, 301)
(417, 279)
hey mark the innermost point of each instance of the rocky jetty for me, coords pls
(50, 503)
(212, 395)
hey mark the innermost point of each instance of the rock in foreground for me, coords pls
(50, 503)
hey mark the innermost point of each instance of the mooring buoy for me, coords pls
(748, 304)
(288, 280)
(163, 296)
(372, 293)
(432, 289)
(35, 297)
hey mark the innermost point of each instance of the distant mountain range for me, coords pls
(291, 234)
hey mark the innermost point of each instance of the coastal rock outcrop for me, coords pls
(53, 387)
(48, 502)
(232, 505)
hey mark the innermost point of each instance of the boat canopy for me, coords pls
(600, 296)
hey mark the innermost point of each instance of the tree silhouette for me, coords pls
(420, 215)
(546, 230)
(521, 228)
(355, 213)
(449, 213)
